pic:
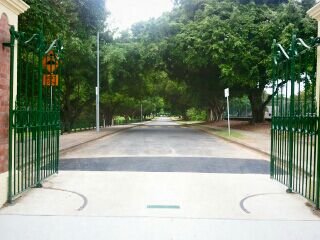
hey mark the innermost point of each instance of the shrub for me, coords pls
(194, 114)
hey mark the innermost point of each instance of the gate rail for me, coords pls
(34, 111)
(295, 131)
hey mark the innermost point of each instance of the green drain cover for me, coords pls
(163, 206)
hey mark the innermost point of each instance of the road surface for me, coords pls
(164, 146)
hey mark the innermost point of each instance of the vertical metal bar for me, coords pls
(317, 165)
(29, 127)
(39, 111)
(311, 127)
(274, 65)
(19, 119)
(14, 142)
(316, 129)
(306, 160)
(12, 41)
(283, 135)
(313, 168)
(294, 170)
(57, 114)
(24, 103)
(45, 127)
(291, 115)
(296, 122)
(34, 120)
(311, 159)
(276, 121)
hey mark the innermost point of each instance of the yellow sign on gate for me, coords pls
(50, 80)
(50, 62)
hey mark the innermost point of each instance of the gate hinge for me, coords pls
(7, 44)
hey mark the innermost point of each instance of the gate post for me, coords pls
(314, 13)
(9, 11)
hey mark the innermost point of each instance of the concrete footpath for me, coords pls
(70, 141)
(146, 228)
(255, 137)
(143, 205)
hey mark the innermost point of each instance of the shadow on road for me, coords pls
(167, 164)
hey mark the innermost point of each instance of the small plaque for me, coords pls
(50, 80)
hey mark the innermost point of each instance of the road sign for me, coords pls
(50, 80)
(50, 62)
(226, 92)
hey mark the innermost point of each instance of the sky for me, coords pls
(126, 12)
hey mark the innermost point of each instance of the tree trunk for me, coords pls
(108, 116)
(257, 106)
(109, 120)
(217, 108)
(210, 115)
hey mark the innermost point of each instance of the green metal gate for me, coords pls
(295, 119)
(34, 112)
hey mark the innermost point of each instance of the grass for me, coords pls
(187, 122)
(225, 134)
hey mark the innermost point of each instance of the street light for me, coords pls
(97, 88)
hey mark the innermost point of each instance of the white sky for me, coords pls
(123, 13)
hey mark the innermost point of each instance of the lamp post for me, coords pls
(98, 88)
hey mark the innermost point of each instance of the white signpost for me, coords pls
(226, 94)
(98, 86)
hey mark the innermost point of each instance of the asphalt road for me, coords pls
(164, 146)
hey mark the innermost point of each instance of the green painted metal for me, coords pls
(34, 112)
(295, 129)
(163, 206)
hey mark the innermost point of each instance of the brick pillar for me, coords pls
(4, 93)
(9, 12)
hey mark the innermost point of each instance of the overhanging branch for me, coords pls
(274, 93)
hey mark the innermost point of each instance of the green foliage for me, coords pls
(187, 57)
(240, 107)
(178, 63)
(194, 114)
(228, 44)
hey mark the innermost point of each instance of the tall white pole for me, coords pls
(98, 87)
(228, 115)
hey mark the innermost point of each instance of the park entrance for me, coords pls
(34, 111)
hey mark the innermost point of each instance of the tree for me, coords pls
(238, 36)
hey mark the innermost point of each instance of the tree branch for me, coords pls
(274, 93)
